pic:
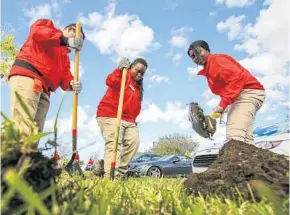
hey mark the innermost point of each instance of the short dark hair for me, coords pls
(198, 43)
(74, 25)
(140, 60)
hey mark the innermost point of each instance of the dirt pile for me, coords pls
(38, 176)
(237, 165)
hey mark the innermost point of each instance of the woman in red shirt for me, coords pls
(235, 85)
(107, 114)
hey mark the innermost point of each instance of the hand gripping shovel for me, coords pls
(71, 167)
(118, 125)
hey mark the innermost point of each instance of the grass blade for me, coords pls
(16, 182)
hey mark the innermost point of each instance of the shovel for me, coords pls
(72, 167)
(118, 125)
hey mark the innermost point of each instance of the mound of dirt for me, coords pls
(38, 176)
(237, 165)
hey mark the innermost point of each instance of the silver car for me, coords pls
(167, 166)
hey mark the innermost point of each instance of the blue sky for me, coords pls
(254, 32)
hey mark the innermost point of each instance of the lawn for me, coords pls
(93, 195)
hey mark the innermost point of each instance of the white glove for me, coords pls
(124, 63)
(75, 43)
(76, 87)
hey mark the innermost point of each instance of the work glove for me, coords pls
(124, 63)
(75, 43)
(218, 109)
(76, 87)
(221, 111)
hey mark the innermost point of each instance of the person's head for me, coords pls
(70, 31)
(138, 69)
(199, 51)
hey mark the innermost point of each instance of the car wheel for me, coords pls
(154, 172)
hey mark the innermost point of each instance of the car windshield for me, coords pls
(135, 158)
(166, 157)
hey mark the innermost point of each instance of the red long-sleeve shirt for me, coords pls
(227, 78)
(43, 51)
(108, 106)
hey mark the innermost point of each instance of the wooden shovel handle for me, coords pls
(75, 95)
(118, 123)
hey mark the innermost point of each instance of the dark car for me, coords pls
(141, 158)
(167, 166)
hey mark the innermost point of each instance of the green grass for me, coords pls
(93, 195)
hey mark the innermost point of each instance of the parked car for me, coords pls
(141, 158)
(167, 166)
(274, 138)
(203, 159)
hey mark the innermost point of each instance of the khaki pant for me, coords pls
(128, 143)
(37, 103)
(242, 115)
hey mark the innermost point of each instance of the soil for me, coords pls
(38, 176)
(237, 165)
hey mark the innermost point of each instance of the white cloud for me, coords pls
(86, 125)
(266, 42)
(144, 146)
(182, 31)
(178, 41)
(212, 13)
(87, 128)
(37, 12)
(211, 100)
(51, 10)
(251, 45)
(287, 104)
(193, 71)
(120, 35)
(265, 63)
(177, 57)
(235, 3)
(271, 30)
(159, 79)
(81, 69)
(94, 19)
(232, 25)
(276, 95)
(179, 37)
(272, 117)
(174, 112)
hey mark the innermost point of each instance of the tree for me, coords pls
(8, 54)
(174, 144)
(95, 156)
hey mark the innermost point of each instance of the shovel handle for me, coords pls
(75, 95)
(118, 125)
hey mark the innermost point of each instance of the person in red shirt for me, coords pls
(77, 157)
(41, 66)
(107, 114)
(235, 85)
(91, 162)
(55, 156)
